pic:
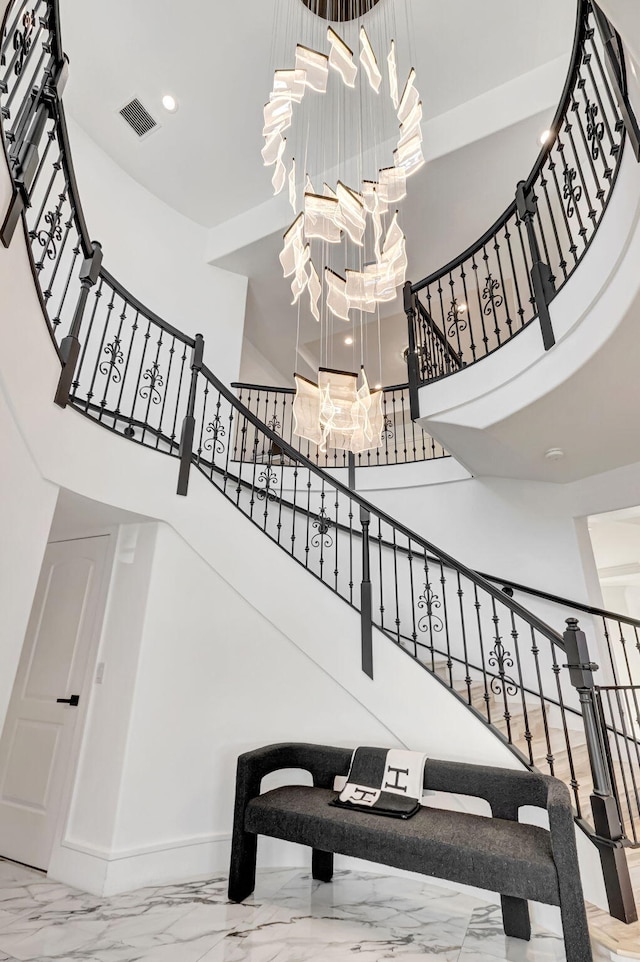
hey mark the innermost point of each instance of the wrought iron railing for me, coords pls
(402, 440)
(468, 309)
(133, 373)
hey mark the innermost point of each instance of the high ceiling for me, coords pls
(215, 58)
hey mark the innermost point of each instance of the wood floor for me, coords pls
(545, 732)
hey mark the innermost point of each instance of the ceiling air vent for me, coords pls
(138, 117)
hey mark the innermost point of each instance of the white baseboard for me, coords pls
(104, 872)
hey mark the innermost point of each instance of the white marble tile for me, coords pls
(289, 918)
(485, 936)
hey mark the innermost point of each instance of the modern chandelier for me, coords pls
(339, 115)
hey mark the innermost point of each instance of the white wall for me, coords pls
(27, 503)
(519, 530)
(159, 256)
(257, 369)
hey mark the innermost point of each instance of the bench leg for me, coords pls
(242, 872)
(322, 865)
(577, 944)
(515, 917)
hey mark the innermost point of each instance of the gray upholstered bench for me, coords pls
(501, 854)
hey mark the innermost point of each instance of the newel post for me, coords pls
(70, 345)
(365, 597)
(189, 422)
(541, 277)
(412, 357)
(606, 818)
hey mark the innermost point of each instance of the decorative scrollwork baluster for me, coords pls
(217, 430)
(151, 391)
(114, 353)
(22, 40)
(571, 192)
(501, 659)
(430, 602)
(269, 479)
(457, 322)
(491, 296)
(595, 128)
(322, 524)
(387, 428)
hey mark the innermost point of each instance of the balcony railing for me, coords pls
(470, 308)
(402, 440)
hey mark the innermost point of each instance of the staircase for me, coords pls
(135, 375)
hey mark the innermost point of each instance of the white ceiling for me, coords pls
(215, 57)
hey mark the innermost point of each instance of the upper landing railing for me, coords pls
(488, 294)
(402, 440)
(136, 375)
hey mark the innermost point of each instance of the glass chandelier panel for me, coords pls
(335, 413)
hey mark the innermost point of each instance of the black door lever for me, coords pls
(73, 701)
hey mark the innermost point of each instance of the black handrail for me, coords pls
(145, 311)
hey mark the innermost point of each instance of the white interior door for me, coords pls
(38, 736)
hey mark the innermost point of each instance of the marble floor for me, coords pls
(290, 918)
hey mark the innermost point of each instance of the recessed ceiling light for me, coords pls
(348, 340)
(462, 307)
(169, 103)
(554, 454)
(544, 136)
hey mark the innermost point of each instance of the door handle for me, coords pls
(73, 701)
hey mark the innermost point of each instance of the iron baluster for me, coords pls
(56, 320)
(189, 422)
(467, 675)
(486, 696)
(176, 412)
(128, 430)
(165, 395)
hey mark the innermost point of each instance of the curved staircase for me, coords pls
(533, 684)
